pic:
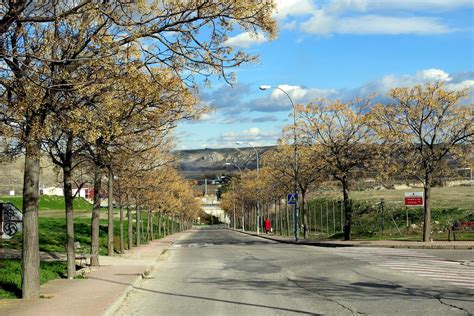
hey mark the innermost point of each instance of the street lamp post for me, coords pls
(295, 158)
(258, 190)
(241, 201)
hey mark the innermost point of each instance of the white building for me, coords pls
(210, 205)
(84, 192)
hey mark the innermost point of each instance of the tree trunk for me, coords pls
(165, 226)
(148, 226)
(30, 284)
(142, 230)
(159, 225)
(69, 205)
(305, 213)
(151, 226)
(110, 215)
(137, 225)
(347, 209)
(427, 208)
(122, 242)
(130, 228)
(95, 220)
(281, 217)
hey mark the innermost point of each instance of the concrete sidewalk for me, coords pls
(102, 289)
(462, 245)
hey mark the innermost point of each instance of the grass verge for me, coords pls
(47, 202)
(10, 276)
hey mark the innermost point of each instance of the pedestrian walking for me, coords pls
(268, 225)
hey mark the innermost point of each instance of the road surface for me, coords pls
(221, 272)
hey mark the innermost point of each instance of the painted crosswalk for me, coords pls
(191, 245)
(184, 244)
(413, 262)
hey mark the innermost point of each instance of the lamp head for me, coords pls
(227, 164)
(238, 143)
(265, 87)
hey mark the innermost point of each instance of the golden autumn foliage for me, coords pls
(106, 71)
(426, 126)
(344, 139)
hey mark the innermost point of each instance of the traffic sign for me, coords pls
(292, 198)
(414, 199)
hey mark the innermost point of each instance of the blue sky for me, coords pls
(336, 49)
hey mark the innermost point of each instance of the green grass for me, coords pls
(10, 276)
(52, 233)
(47, 203)
(448, 205)
(52, 238)
(459, 197)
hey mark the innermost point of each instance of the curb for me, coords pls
(339, 245)
(112, 309)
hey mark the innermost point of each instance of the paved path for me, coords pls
(221, 272)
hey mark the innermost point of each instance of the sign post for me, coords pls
(414, 199)
(292, 198)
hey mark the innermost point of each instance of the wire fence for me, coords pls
(325, 217)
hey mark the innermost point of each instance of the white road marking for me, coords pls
(409, 261)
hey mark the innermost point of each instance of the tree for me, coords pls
(344, 140)
(279, 163)
(173, 30)
(427, 126)
(27, 11)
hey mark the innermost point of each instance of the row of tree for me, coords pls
(98, 85)
(421, 133)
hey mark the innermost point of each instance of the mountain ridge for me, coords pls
(192, 162)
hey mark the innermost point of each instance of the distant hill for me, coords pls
(199, 162)
(193, 164)
(11, 175)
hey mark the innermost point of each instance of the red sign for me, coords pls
(414, 199)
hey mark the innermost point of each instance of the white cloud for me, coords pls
(234, 101)
(433, 74)
(373, 24)
(296, 92)
(391, 81)
(323, 24)
(253, 136)
(207, 117)
(368, 16)
(246, 39)
(468, 84)
(277, 101)
(287, 8)
(382, 86)
(320, 23)
(428, 5)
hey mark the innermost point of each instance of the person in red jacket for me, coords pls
(268, 225)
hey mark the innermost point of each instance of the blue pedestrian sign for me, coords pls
(292, 198)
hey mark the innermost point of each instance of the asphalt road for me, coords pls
(220, 272)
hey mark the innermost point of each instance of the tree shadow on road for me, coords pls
(197, 297)
(377, 291)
